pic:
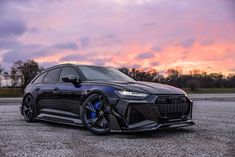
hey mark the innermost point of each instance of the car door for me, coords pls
(46, 97)
(69, 95)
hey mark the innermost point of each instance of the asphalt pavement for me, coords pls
(213, 135)
(10, 101)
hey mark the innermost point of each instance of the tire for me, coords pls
(95, 114)
(28, 109)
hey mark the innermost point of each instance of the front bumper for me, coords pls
(144, 115)
(156, 126)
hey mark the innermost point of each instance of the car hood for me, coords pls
(144, 87)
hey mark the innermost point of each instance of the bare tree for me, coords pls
(1, 69)
(14, 77)
(23, 72)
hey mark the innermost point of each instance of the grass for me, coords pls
(16, 92)
(10, 92)
(211, 90)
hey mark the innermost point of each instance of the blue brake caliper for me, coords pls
(97, 105)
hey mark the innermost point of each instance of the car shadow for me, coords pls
(132, 135)
(60, 125)
(161, 133)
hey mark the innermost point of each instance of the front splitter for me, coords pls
(157, 126)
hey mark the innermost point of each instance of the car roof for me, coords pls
(70, 64)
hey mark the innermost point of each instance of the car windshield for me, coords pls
(102, 73)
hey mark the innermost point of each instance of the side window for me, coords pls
(68, 71)
(52, 76)
(40, 78)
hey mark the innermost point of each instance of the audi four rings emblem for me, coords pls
(174, 99)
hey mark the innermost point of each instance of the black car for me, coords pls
(104, 100)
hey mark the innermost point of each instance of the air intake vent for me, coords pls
(134, 116)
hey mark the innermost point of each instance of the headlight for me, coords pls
(131, 95)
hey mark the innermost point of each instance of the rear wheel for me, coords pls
(95, 114)
(28, 109)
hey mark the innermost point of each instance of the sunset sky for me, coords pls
(144, 34)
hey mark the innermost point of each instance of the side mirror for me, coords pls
(71, 78)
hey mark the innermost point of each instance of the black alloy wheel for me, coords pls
(28, 108)
(95, 116)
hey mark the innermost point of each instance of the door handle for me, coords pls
(37, 89)
(56, 90)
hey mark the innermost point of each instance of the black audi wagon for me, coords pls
(104, 100)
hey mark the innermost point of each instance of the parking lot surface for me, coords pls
(213, 135)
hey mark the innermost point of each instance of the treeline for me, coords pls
(21, 73)
(194, 79)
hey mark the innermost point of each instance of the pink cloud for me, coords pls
(144, 33)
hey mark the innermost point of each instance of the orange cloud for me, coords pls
(144, 34)
(212, 58)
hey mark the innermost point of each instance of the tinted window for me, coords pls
(68, 71)
(40, 78)
(102, 73)
(52, 76)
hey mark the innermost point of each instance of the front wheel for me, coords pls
(95, 115)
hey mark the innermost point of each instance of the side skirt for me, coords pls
(59, 119)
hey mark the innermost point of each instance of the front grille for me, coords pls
(172, 107)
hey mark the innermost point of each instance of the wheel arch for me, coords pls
(25, 95)
(90, 92)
